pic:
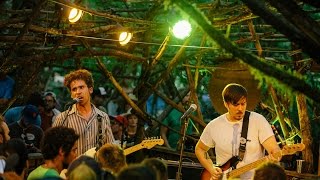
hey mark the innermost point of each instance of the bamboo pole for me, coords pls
(279, 112)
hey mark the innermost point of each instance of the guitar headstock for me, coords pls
(292, 148)
(151, 142)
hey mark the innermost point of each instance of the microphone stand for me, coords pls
(67, 114)
(185, 127)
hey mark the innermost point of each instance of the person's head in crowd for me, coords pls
(29, 115)
(111, 157)
(4, 131)
(80, 85)
(59, 144)
(137, 172)
(158, 166)
(36, 99)
(17, 156)
(98, 96)
(186, 99)
(268, 171)
(84, 167)
(132, 119)
(50, 100)
(118, 124)
(82, 171)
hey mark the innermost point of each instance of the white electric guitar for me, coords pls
(147, 143)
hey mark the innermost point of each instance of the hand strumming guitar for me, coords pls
(216, 173)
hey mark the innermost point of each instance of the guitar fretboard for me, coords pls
(241, 170)
(237, 172)
(132, 149)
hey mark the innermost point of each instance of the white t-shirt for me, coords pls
(219, 133)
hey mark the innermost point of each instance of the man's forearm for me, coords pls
(204, 159)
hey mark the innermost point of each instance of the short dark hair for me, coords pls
(137, 172)
(158, 166)
(81, 74)
(56, 138)
(16, 149)
(233, 92)
(270, 170)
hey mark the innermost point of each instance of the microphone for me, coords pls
(73, 101)
(191, 109)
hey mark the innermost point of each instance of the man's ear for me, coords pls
(61, 152)
(225, 104)
(90, 90)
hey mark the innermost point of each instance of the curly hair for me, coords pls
(56, 138)
(80, 74)
(111, 157)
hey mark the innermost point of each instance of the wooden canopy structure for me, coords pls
(278, 41)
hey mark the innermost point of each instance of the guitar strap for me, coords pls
(100, 135)
(244, 133)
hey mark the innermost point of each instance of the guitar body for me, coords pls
(205, 174)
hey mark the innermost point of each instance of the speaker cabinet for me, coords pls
(189, 171)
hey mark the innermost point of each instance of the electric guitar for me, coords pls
(147, 143)
(229, 173)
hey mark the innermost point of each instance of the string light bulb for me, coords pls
(182, 29)
(74, 15)
(125, 37)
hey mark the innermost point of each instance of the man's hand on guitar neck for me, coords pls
(216, 173)
(275, 156)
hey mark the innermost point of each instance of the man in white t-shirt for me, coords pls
(224, 132)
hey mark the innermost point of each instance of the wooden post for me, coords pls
(305, 129)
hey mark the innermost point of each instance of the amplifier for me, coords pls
(189, 171)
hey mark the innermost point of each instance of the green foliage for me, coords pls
(281, 89)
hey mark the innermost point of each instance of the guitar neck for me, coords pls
(132, 149)
(248, 167)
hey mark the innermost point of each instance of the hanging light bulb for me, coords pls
(125, 37)
(182, 29)
(74, 15)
